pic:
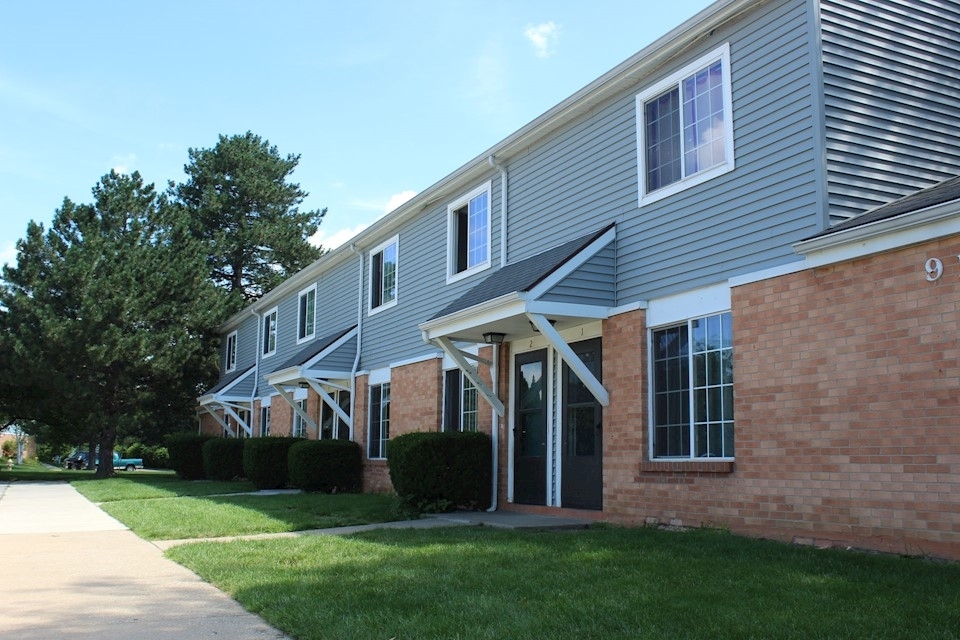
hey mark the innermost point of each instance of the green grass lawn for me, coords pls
(601, 583)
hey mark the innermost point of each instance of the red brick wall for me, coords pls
(846, 412)
(416, 397)
(847, 405)
(209, 425)
(281, 417)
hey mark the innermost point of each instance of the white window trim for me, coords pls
(372, 310)
(276, 330)
(452, 275)
(723, 54)
(228, 367)
(651, 393)
(300, 296)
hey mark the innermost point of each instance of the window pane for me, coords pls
(477, 230)
(662, 124)
(703, 119)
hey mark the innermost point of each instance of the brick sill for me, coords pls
(685, 466)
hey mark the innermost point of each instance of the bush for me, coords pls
(441, 471)
(156, 457)
(223, 458)
(265, 461)
(186, 454)
(331, 466)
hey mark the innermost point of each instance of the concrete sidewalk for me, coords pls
(70, 570)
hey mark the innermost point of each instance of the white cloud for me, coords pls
(543, 37)
(8, 254)
(398, 199)
(338, 237)
(123, 164)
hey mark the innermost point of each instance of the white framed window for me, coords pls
(264, 421)
(685, 127)
(378, 432)
(306, 314)
(230, 357)
(332, 426)
(383, 275)
(270, 332)
(692, 389)
(468, 234)
(461, 410)
(299, 424)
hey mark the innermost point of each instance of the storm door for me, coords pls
(582, 434)
(530, 428)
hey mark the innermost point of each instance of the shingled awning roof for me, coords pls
(511, 302)
(946, 191)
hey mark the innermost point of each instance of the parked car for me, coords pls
(81, 459)
(76, 460)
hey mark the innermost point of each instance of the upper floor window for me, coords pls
(693, 389)
(685, 127)
(383, 275)
(468, 234)
(231, 356)
(307, 314)
(270, 332)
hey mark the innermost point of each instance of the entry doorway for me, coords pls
(530, 428)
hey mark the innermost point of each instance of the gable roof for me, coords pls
(315, 348)
(945, 191)
(521, 276)
(228, 381)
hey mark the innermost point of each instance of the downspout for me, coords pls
(256, 371)
(503, 209)
(495, 431)
(356, 359)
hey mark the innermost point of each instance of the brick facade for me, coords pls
(846, 413)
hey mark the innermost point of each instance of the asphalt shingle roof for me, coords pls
(314, 348)
(520, 276)
(945, 191)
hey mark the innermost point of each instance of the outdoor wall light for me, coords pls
(304, 385)
(536, 330)
(492, 337)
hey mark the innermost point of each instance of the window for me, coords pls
(299, 424)
(307, 314)
(379, 431)
(468, 234)
(264, 421)
(270, 332)
(685, 127)
(333, 426)
(693, 389)
(383, 275)
(230, 359)
(460, 408)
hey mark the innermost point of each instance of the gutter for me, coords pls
(503, 208)
(495, 428)
(356, 359)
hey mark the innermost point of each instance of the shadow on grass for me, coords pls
(600, 583)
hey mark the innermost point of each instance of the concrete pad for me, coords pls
(101, 583)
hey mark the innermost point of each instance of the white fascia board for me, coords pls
(506, 306)
(884, 235)
(574, 263)
(322, 375)
(689, 304)
(349, 335)
(284, 376)
(553, 308)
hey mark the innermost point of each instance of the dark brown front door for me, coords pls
(530, 428)
(582, 457)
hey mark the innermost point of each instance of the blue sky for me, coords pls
(380, 99)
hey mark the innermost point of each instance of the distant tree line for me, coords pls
(108, 319)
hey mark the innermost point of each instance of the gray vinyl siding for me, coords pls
(246, 347)
(892, 99)
(391, 335)
(594, 283)
(243, 389)
(743, 221)
(336, 309)
(341, 359)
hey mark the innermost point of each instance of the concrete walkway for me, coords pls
(71, 571)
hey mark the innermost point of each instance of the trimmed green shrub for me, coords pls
(434, 471)
(155, 457)
(186, 454)
(223, 458)
(330, 466)
(265, 461)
